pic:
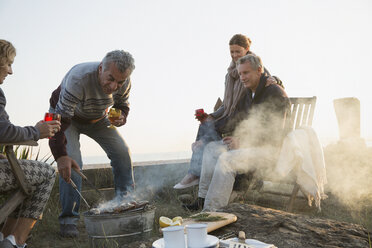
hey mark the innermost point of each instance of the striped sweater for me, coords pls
(80, 95)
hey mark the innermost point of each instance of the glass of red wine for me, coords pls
(52, 117)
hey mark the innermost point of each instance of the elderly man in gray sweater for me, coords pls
(82, 99)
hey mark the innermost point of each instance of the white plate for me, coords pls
(212, 242)
(252, 242)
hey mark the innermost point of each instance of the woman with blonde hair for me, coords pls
(40, 176)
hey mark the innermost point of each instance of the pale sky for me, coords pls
(315, 47)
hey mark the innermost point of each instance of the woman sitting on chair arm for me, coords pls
(40, 176)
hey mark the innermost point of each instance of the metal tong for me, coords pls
(89, 183)
(76, 189)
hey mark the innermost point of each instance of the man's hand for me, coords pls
(120, 121)
(2, 156)
(231, 142)
(270, 80)
(48, 128)
(64, 164)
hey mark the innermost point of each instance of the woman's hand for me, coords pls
(202, 117)
(270, 80)
(48, 128)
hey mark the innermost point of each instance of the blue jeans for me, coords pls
(117, 151)
(207, 133)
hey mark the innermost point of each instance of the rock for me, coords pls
(292, 230)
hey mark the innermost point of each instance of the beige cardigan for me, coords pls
(234, 90)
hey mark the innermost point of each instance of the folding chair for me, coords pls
(24, 189)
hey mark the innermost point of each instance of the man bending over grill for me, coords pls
(82, 99)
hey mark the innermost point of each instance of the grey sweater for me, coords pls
(11, 133)
(80, 95)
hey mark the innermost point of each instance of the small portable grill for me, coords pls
(124, 224)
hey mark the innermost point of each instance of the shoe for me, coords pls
(68, 231)
(184, 186)
(188, 181)
(197, 205)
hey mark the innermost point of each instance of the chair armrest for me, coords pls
(16, 168)
(23, 143)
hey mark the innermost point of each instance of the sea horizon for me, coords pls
(141, 157)
(144, 157)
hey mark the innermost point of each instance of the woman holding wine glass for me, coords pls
(40, 176)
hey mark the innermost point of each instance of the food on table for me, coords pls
(164, 221)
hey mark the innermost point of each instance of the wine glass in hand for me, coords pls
(52, 117)
(200, 115)
(113, 115)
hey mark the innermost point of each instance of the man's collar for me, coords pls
(261, 85)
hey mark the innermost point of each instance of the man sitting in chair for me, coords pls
(256, 141)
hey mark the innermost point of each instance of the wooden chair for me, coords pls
(24, 189)
(301, 114)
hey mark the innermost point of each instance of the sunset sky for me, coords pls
(317, 48)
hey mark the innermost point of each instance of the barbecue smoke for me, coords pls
(150, 181)
(348, 163)
(118, 200)
(349, 170)
(259, 137)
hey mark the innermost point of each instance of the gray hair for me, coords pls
(254, 60)
(123, 60)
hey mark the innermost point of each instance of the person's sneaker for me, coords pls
(69, 231)
(188, 181)
(197, 205)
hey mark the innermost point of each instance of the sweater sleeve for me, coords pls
(58, 142)
(11, 133)
(218, 113)
(64, 100)
(122, 96)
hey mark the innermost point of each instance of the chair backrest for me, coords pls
(302, 112)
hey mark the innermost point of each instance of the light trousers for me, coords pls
(220, 167)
